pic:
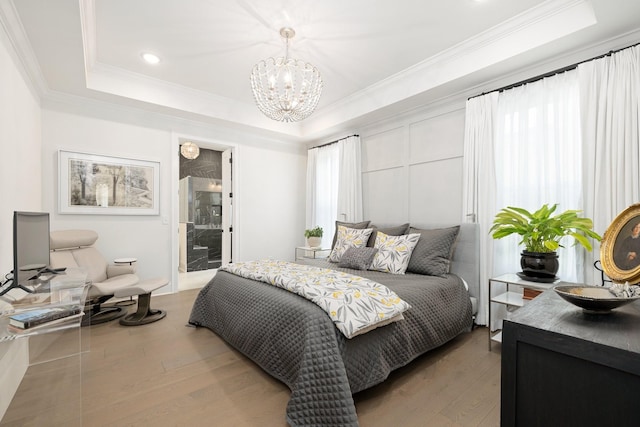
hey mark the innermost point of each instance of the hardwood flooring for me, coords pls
(169, 374)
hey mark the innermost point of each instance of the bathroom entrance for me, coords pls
(202, 221)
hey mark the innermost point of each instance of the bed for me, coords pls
(296, 342)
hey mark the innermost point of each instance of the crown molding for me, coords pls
(20, 49)
(411, 90)
(549, 21)
(127, 84)
(501, 42)
(456, 101)
(161, 120)
(88, 31)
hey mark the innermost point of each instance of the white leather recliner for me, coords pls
(74, 249)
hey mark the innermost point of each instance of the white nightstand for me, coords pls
(313, 253)
(513, 298)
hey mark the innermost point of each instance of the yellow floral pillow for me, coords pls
(349, 238)
(394, 252)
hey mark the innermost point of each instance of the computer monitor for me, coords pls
(30, 248)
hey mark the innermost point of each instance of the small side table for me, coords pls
(307, 252)
(129, 261)
(513, 298)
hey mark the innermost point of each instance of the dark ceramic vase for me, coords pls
(539, 265)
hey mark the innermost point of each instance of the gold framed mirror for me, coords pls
(620, 247)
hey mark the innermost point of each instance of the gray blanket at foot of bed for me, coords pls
(295, 341)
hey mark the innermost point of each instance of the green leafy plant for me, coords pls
(314, 232)
(542, 232)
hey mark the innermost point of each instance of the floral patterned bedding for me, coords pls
(354, 304)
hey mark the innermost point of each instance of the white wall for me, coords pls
(412, 168)
(20, 181)
(20, 171)
(272, 205)
(144, 237)
(268, 192)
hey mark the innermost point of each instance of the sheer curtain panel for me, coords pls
(322, 190)
(522, 148)
(539, 161)
(610, 111)
(350, 182)
(479, 183)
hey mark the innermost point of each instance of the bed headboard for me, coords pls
(466, 258)
(466, 255)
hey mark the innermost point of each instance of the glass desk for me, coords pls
(40, 367)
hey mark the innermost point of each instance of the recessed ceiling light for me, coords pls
(150, 58)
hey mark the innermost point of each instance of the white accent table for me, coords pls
(513, 298)
(313, 253)
(129, 261)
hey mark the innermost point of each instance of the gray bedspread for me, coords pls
(296, 342)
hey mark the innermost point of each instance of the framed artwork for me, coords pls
(105, 185)
(620, 247)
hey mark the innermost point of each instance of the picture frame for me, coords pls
(620, 247)
(107, 185)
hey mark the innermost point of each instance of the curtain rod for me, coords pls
(552, 73)
(334, 142)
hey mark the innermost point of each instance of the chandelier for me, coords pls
(286, 89)
(189, 150)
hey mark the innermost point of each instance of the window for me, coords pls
(538, 154)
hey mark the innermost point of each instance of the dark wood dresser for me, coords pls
(564, 367)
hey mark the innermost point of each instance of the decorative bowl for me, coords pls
(592, 299)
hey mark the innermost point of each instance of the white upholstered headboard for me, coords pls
(466, 258)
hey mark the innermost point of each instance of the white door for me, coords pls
(227, 206)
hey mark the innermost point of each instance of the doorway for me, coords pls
(205, 224)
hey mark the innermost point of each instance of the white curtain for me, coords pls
(479, 206)
(524, 150)
(539, 161)
(610, 106)
(350, 180)
(334, 186)
(312, 198)
(322, 190)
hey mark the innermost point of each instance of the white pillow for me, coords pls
(394, 252)
(349, 238)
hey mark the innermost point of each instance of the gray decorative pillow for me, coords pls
(357, 258)
(357, 225)
(432, 255)
(397, 230)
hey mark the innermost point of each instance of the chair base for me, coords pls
(101, 314)
(144, 315)
(125, 303)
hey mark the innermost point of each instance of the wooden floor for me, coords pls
(169, 374)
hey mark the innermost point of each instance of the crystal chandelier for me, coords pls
(190, 150)
(286, 89)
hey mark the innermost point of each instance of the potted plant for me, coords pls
(541, 234)
(314, 237)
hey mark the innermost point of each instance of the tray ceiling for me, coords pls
(376, 58)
